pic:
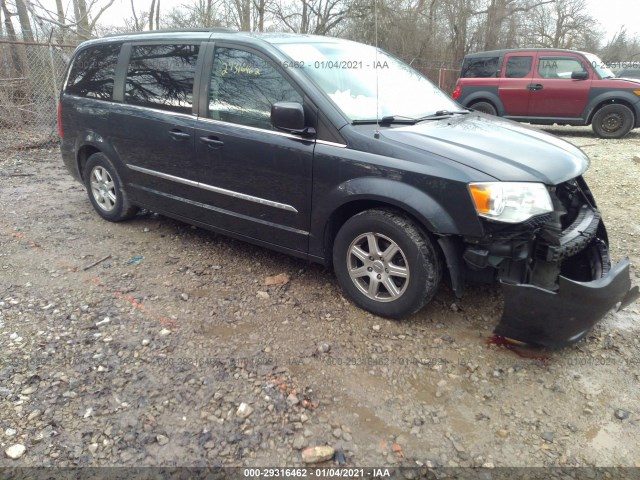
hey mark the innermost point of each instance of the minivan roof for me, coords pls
(515, 50)
(215, 33)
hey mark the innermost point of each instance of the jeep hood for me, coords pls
(500, 148)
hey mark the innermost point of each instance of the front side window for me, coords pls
(161, 76)
(518, 67)
(92, 72)
(559, 67)
(243, 88)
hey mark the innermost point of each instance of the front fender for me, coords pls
(430, 213)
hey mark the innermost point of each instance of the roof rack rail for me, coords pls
(175, 30)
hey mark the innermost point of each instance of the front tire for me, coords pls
(105, 189)
(613, 121)
(386, 264)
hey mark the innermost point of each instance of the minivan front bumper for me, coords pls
(548, 318)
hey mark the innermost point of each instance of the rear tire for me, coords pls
(385, 264)
(106, 191)
(613, 121)
(485, 107)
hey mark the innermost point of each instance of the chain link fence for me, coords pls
(30, 78)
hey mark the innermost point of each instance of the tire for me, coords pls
(405, 271)
(613, 121)
(105, 189)
(485, 107)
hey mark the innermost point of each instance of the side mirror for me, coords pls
(579, 75)
(289, 116)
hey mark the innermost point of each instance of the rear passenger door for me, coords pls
(255, 180)
(514, 83)
(153, 124)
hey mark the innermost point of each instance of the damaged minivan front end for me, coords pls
(548, 248)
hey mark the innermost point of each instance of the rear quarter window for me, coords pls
(480, 67)
(92, 72)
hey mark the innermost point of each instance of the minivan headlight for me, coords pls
(510, 202)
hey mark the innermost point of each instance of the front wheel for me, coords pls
(613, 121)
(385, 264)
(105, 189)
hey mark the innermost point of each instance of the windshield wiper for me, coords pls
(442, 113)
(389, 119)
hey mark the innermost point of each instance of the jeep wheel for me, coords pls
(613, 121)
(485, 107)
(385, 264)
(105, 189)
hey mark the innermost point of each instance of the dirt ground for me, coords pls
(173, 351)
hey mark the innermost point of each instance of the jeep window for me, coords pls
(161, 76)
(92, 72)
(559, 67)
(480, 67)
(518, 67)
(244, 86)
(357, 79)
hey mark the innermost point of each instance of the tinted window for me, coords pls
(243, 88)
(518, 67)
(161, 76)
(483, 67)
(92, 72)
(559, 67)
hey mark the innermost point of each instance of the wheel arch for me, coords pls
(613, 98)
(488, 97)
(427, 214)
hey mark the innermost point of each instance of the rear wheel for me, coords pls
(105, 189)
(385, 264)
(485, 107)
(613, 121)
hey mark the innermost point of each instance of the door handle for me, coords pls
(179, 135)
(212, 142)
(535, 86)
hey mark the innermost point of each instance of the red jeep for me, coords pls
(550, 86)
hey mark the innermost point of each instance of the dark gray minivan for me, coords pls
(339, 153)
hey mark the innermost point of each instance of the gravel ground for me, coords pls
(187, 348)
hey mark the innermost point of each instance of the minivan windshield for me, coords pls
(356, 80)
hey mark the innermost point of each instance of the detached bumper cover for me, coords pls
(553, 319)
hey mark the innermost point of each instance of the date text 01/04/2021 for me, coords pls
(333, 472)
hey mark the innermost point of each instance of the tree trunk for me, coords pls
(152, 14)
(82, 20)
(61, 20)
(25, 21)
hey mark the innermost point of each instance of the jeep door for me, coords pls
(553, 92)
(255, 180)
(152, 126)
(515, 80)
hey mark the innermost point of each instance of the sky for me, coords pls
(611, 14)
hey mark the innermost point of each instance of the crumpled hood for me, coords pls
(500, 148)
